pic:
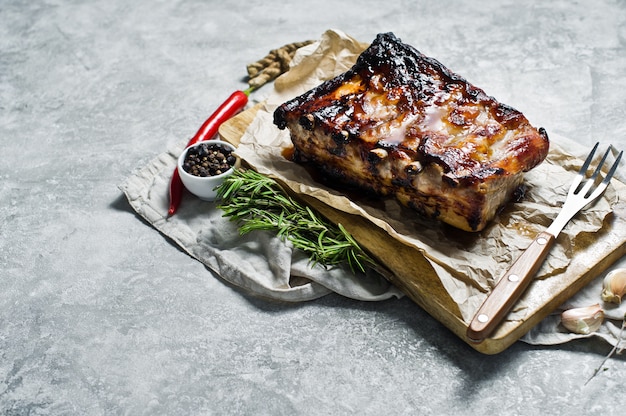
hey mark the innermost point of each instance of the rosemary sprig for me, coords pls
(258, 202)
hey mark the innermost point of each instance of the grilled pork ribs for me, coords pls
(399, 123)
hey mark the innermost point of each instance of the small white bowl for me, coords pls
(204, 186)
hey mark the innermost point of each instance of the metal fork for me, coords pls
(511, 286)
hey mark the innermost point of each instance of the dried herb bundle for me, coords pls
(258, 202)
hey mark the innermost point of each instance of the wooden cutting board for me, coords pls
(412, 273)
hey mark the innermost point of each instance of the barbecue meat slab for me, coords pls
(399, 123)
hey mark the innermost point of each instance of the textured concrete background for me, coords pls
(99, 314)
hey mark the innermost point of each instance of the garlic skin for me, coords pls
(583, 320)
(614, 286)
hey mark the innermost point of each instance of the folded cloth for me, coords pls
(200, 230)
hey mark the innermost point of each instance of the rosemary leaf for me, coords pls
(257, 202)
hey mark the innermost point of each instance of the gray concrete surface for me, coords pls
(100, 315)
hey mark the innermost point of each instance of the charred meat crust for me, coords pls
(400, 123)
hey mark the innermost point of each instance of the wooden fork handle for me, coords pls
(509, 288)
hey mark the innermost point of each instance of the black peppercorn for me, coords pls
(208, 159)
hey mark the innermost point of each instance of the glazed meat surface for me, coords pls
(399, 123)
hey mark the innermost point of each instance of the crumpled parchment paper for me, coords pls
(467, 267)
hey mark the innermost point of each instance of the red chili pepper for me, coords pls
(234, 104)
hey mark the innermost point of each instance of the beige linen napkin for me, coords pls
(258, 262)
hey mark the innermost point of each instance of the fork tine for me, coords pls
(585, 166)
(592, 180)
(611, 172)
(581, 173)
(605, 182)
(599, 168)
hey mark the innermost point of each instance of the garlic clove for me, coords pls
(614, 286)
(583, 320)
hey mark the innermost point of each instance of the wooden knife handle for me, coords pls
(509, 288)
